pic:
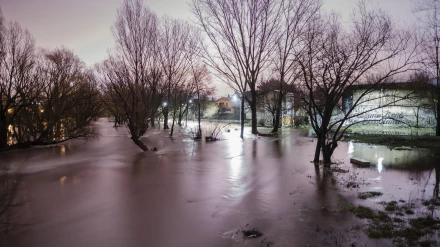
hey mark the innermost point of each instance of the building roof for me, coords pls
(396, 85)
(224, 98)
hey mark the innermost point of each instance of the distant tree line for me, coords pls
(46, 96)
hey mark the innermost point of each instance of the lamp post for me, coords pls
(164, 105)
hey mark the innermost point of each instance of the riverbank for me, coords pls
(394, 137)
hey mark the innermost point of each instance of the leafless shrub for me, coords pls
(212, 130)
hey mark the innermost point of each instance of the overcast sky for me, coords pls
(84, 25)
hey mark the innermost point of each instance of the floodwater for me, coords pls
(106, 192)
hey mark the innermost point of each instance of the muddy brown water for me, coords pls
(106, 192)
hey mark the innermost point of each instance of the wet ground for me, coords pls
(106, 192)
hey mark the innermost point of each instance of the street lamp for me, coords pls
(164, 104)
(235, 99)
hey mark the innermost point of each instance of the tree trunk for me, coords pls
(139, 143)
(278, 112)
(200, 115)
(242, 116)
(437, 127)
(3, 136)
(3, 131)
(165, 118)
(326, 155)
(174, 119)
(254, 111)
(152, 121)
(172, 125)
(317, 149)
(179, 122)
(417, 118)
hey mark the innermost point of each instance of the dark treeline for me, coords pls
(47, 96)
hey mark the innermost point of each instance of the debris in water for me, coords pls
(251, 233)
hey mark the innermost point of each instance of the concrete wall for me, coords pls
(393, 108)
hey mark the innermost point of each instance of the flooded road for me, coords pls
(106, 192)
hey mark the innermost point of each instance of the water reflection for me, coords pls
(379, 164)
(62, 181)
(350, 148)
(235, 154)
(63, 150)
(385, 158)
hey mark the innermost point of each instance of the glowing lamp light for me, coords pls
(164, 103)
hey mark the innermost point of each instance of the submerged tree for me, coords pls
(127, 75)
(65, 107)
(334, 59)
(19, 85)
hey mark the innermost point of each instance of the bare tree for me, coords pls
(19, 86)
(294, 16)
(174, 39)
(68, 102)
(334, 59)
(271, 94)
(242, 39)
(200, 78)
(126, 75)
(113, 107)
(428, 13)
(425, 97)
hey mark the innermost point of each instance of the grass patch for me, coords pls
(403, 231)
(433, 202)
(363, 212)
(369, 194)
(391, 206)
(384, 230)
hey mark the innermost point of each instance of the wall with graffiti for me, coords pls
(385, 109)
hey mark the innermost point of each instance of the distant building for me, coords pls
(225, 105)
